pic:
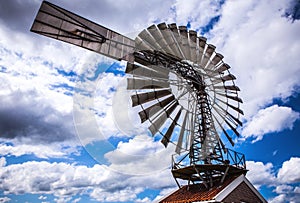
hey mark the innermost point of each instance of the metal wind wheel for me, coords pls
(184, 89)
(182, 86)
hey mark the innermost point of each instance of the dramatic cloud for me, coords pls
(266, 175)
(269, 120)
(285, 180)
(38, 78)
(262, 47)
(289, 173)
(198, 14)
(138, 155)
(53, 150)
(67, 180)
(28, 117)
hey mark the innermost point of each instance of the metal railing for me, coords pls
(231, 157)
(236, 159)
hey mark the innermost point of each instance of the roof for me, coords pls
(195, 192)
(237, 188)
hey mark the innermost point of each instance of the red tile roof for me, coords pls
(195, 192)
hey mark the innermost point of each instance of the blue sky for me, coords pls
(67, 134)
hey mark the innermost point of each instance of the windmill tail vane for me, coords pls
(184, 90)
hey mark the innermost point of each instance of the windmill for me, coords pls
(185, 91)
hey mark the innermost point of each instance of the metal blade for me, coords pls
(228, 87)
(141, 45)
(222, 68)
(184, 42)
(157, 35)
(227, 113)
(161, 119)
(223, 78)
(166, 138)
(58, 23)
(176, 40)
(168, 36)
(232, 128)
(143, 71)
(208, 53)
(149, 40)
(136, 84)
(224, 131)
(231, 106)
(180, 138)
(152, 110)
(142, 98)
(193, 45)
(228, 77)
(214, 61)
(235, 98)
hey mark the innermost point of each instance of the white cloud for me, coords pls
(4, 199)
(138, 155)
(262, 48)
(28, 117)
(297, 190)
(278, 199)
(285, 180)
(266, 175)
(41, 151)
(198, 13)
(283, 189)
(260, 45)
(269, 120)
(64, 181)
(289, 172)
(2, 161)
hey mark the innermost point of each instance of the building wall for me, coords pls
(242, 193)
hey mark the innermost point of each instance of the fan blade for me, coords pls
(176, 40)
(147, 38)
(235, 98)
(224, 131)
(200, 49)
(145, 114)
(193, 36)
(227, 113)
(58, 23)
(222, 68)
(228, 87)
(155, 32)
(206, 56)
(214, 61)
(180, 138)
(222, 144)
(228, 77)
(227, 136)
(136, 84)
(184, 43)
(236, 109)
(161, 119)
(231, 106)
(168, 36)
(149, 72)
(142, 98)
(166, 138)
(193, 45)
(141, 45)
(223, 78)
(232, 128)
(217, 58)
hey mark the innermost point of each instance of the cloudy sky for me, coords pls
(60, 146)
